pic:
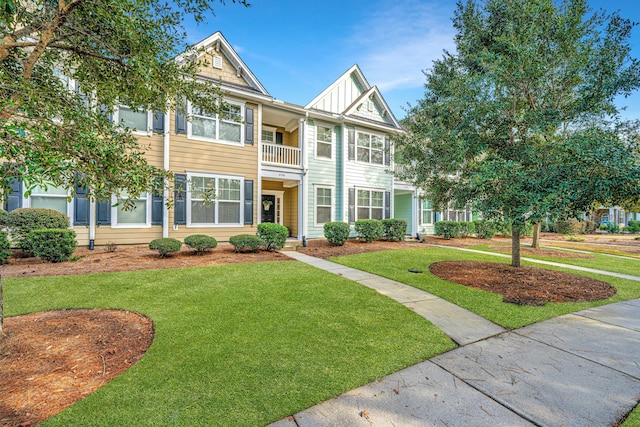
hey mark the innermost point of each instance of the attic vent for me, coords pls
(217, 61)
(370, 105)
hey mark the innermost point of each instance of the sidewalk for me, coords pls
(575, 370)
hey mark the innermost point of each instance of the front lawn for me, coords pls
(395, 264)
(242, 344)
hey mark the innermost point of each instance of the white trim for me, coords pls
(331, 127)
(357, 132)
(114, 214)
(279, 195)
(315, 203)
(165, 163)
(370, 190)
(240, 104)
(148, 132)
(26, 202)
(189, 224)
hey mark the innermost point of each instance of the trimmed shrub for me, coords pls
(466, 229)
(369, 229)
(23, 221)
(274, 235)
(336, 233)
(447, 229)
(603, 226)
(246, 243)
(590, 227)
(613, 228)
(394, 229)
(548, 227)
(165, 246)
(4, 218)
(201, 243)
(53, 245)
(484, 229)
(633, 226)
(5, 247)
(569, 226)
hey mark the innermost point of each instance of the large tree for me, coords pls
(521, 119)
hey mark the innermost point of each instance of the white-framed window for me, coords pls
(456, 215)
(324, 141)
(139, 122)
(323, 205)
(224, 205)
(268, 135)
(369, 204)
(56, 198)
(426, 212)
(225, 127)
(138, 217)
(370, 148)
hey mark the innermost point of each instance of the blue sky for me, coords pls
(297, 48)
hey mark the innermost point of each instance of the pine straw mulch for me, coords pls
(50, 360)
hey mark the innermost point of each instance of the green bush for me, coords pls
(484, 229)
(393, 229)
(246, 243)
(274, 235)
(4, 218)
(201, 243)
(633, 226)
(603, 226)
(569, 226)
(53, 245)
(590, 227)
(165, 246)
(548, 227)
(5, 247)
(613, 228)
(23, 221)
(369, 229)
(466, 229)
(336, 233)
(447, 229)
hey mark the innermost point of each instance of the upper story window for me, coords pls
(370, 148)
(55, 198)
(370, 204)
(324, 141)
(224, 208)
(139, 216)
(268, 135)
(224, 127)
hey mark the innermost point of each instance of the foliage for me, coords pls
(201, 243)
(394, 229)
(548, 227)
(633, 226)
(5, 247)
(165, 246)
(466, 229)
(336, 233)
(572, 238)
(23, 221)
(274, 235)
(447, 229)
(612, 228)
(590, 227)
(53, 245)
(369, 229)
(117, 52)
(246, 243)
(4, 218)
(520, 119)
(484, 229)
(570, 226)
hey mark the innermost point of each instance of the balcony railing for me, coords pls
(281, 155)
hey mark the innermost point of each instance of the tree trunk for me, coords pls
(515, 247)
(536, 236)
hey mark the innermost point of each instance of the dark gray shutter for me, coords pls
(157, 203)
(248, 202)
(158, 122)
(387, 151)
(103, 212)
(180, 200)
(81, 205)
(13, 198)
(352, 205)
(181, 117)
(387, 204)
(105, 111)
(351, 138)
(248, 125)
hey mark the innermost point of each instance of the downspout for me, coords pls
(165, 165)
(92, 225)
(302, 196)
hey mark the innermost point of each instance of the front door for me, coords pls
(268, 207)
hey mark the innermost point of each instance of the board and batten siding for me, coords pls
(341, 96)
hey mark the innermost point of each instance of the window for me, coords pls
(323, 205)
(268, 135)
(140, 216)
(456, 215)
(223, 127)
(426, 214)
(324, 140)
(370, 204)
(223, 208)
(136, 120)
(370, 148)
(50, 198)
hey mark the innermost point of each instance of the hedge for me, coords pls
(201, 243)
(274, 235)
(165, 246)
(23, 221)
(394, 229)
(447, 229)
(246, 243)
(336, 233)
(53, 245)
(369, 229)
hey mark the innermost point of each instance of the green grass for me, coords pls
(599, 261)
(395, 264)
(240, 345)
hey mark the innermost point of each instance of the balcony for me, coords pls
(281, 155)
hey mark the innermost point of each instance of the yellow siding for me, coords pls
(153, 148)
(289, 204)
(82, 235)
(126, 236)
(228, 73)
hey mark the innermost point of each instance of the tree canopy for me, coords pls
(521, 120)
(120, 53)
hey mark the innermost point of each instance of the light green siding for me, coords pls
(403, 209)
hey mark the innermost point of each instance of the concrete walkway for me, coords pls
(574, 370)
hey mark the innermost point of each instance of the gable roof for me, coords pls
(373, 94)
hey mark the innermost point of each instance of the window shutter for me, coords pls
(81, 204)
(248, 202)
(181, 118)
(351, 138)
(13, 198)
(387, 204)
(180, 200)
(157, 203)
(158, 122)
(352, 205)
(248, 125)
(103, 212)
(387, 151)
(105, 111)
(437, 217)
